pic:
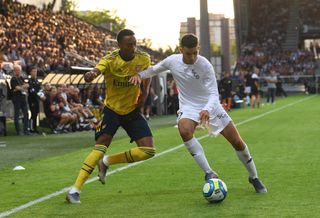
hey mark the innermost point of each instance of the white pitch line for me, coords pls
(47, 197)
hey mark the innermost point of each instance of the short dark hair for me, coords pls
(189, 40)
(123, 33)
(33, 68)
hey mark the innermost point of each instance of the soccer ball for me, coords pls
(215, 190)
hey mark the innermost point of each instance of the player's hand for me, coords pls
(204, 117)
(136, 79)
(89, 76)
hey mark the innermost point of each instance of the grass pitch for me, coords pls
(283, 139)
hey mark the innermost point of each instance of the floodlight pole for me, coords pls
(205, 49)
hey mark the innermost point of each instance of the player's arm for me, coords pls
(211, 85)
(150, 72)
(16, 87)
(91, 75)
(102, 66)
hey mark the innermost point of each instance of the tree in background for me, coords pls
(67, 5)
(145, 42)
(103, 18)
(169, 51)
(215, 49)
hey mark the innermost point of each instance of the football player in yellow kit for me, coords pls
(122, 103)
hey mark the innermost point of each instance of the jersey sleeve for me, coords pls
(147, 63)
(103, 65)
(154, 70)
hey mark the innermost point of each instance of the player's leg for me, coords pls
(252, 100)
(104, 137)
(258, 99)
(229, 103)
(186, 130)
(138, 130)
(231, 133)
(88, 166)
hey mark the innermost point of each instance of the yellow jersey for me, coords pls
(122, 96)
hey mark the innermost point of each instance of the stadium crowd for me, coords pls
(263, 47)
(262, 55)
(43, 38)
(49, 42)
(309, 12)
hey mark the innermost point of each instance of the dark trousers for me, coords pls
(34, 109)
(271, 94)
(20, 104)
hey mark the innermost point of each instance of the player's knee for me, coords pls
(186, 134)
(238, 144)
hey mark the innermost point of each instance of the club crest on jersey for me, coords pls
(195, 74)
(138, 68)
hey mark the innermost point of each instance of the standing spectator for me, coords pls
(2, 73)
(272, 80)
(279, 89)
(226, 88)
(248, 83)
(19, 92)
(317, 50)
(146, 109)
(311, 47)
(255, 88)
(174, 93)
(33, 99)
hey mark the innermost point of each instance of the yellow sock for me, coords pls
(89, 164)
(133, 155)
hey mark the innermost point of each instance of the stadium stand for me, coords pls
(53, 42)
(41, 38)
(266, 45)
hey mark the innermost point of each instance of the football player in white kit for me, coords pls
(199, 105)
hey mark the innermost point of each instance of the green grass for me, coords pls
(285, 146)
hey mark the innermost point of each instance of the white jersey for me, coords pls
(196, 83)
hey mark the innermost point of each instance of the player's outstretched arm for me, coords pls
(136, 79)
(91, 75)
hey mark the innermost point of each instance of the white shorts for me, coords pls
(219, 118)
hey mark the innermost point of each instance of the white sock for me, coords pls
(74, 190)
(105, 160)
(248, 162)
(196, 150)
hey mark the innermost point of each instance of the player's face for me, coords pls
(128, 46)
(189, 54)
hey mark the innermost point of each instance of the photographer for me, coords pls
(33, 99)
(19, 92)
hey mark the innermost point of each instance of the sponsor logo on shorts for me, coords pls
(223, 115)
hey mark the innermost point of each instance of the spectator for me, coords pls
(19, 92)
(33, 99)
(255, 89)
(272, 80)
(225, 90)
(279, 89)
(174, 99)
